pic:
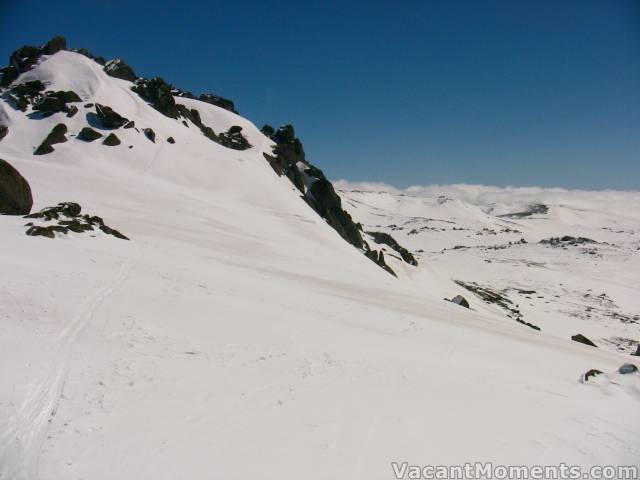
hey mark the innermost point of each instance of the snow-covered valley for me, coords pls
(237, 334)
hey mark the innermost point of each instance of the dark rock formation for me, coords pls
(67, 218)
(72, 111)
(460, 300)
(499, 298)
(112, 140)
(637, 354)
(386, 239)
(7, 76)
(582, 339)
(158, 93)
(537, 208)
(627, 368)
(88, 134)
(591, 373)
(53, 102)
(22, 95)
(130, 124)
(57, 135)
(378, 259)
(150, 134)
(171, 140)
(110, 118)
(566, 241)
(234, 139)
(15, 192)
(26, 57)
(54, 45)
(4, 130)
(117, 68)
(217, 101)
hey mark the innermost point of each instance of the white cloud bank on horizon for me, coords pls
(483, 195)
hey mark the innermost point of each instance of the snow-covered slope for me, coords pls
(236, 334)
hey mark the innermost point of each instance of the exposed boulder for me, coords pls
(566, 240)
(171, 140)
(218, 101)
(130, 124)
(15, 192)
(378, 258)
(88, 134)
(22, 95)
(66, 217)
(53, 102)
(582, 339)
(110, 118)
(234, 139)
(150, 134)
(637, 354)
(460, 300)
(72, 111)
(112, 140)
(386, 239)
(158, 93)
(627, 368)
(4, 130)
(590, 374)
(57, 135)
(117, 68)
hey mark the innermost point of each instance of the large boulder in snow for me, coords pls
(109, 117)
(4, 130)
(118, 68)
(460, 300)
(88, 134)
(15, 192)
(582, 339)
(57, 135)
(112, 140)
(234, 139)
(628, 368)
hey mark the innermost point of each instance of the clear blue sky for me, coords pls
(506, 92)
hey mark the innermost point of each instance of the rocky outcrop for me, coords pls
(591, 374)
(566, 241)
(53, 102)
(57, 135)
(112, 140)
(158, 93)
(117, 68)
(22, 95)
(460, 300)
(7, 76)
(582, 339)
(386, 239)
(171, 140)
(15, 192)
(64, 218)
(150, 134)
(110, 118)
(627, 368)
(26, 57)
(289, 159)
(4, 130)
(234, 139)
(88, 134)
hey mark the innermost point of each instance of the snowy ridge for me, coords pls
(236, 334)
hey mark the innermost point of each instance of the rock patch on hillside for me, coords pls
(15, 192)
(64, 218)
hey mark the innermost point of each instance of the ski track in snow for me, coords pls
(28, 428)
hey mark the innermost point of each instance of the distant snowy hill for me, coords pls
(240, 331)
(569, 262)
